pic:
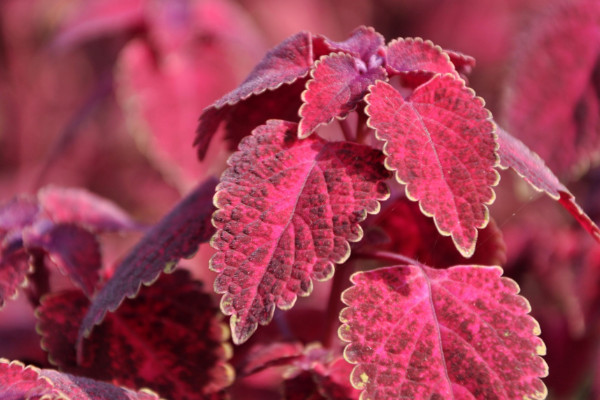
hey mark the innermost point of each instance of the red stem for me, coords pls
(346, 130)
(341, 281)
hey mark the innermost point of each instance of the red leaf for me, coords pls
(412, 234)
(463, 63)
(28, 382)
(440, 141)
(284, 64)
(552, 91)
(287, 209)
(169, 338)
(339, 82)
(417, 60)
(514, 154)
(423, 333)
(176, 236)
(14, 267)
(363, 43)
(85, 209)
(74, 250)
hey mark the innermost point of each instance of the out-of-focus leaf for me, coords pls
(339, 82)
(552, 92)
(422, 333)
(269, 355)
(287, 209)
(441, 143)
(176, 236)
(18, 381)
(170, 338)
(74, 250)
(18, 213)
(412, 234)
(14, 267)
(514, 154)
(85, 209)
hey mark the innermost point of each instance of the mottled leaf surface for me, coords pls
(417, 60)
(423, 333)
(18, 381)
(78, 206)
(176, 236)
(339, 82)
(169, 338)
(286, 211)
(552, 91)
(514, 154)
(441, 143)
(412, 234)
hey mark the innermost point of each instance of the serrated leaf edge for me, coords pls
(468, 252)
(417, 39)
(540, 348)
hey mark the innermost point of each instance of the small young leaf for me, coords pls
(171, 329)
(417, 60)
(441, 143)
(339, 82)
(364, 42)
(423, 333)
(85, 209)
(74, 250)
(176, 236)
(514, 154)
(287, 209)
(282, 66)
(18, 381)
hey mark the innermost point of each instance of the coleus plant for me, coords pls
(414, 139)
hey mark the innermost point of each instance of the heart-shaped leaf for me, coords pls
(423, 333)
(441, 143)
(339, 82)
(176, 236)
(18, 381)
(514, 154)
(169, 338)
(287, 209)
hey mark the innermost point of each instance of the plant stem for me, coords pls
(362, 129)
(387, 256)
(346, 130)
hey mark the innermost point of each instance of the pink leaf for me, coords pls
(363, 43)
(176, 236)
(74, 250)
(339, 82)
(423, 333)
(417, 60)
(85, 209)
(287, 209)
(441, 143)
(514, 154)
(18, 381)
(170, 339)
(551, 100)
(463, 63)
